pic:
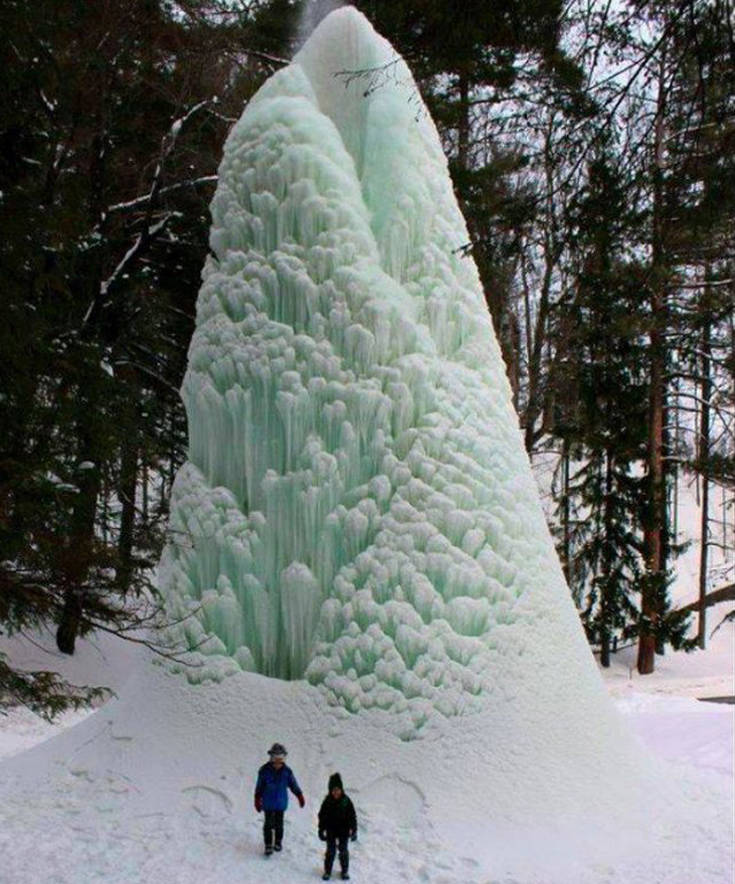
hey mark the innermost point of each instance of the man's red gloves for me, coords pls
(302, 800)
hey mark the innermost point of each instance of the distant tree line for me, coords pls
(592, 148)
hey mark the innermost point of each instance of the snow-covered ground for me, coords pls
(160, 790)
(156, 786)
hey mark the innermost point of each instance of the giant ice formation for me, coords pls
(357, 507)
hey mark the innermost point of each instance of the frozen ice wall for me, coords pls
(357, 507)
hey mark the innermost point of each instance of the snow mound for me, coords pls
(157, 786)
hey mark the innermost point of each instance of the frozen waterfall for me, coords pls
(357, 507)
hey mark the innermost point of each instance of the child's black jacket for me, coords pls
(337, 816)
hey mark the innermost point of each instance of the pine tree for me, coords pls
(690, 211)
(602, 415)
(700, 203)
(111, 130)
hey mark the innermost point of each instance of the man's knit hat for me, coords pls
(277, 750)
(335, 782)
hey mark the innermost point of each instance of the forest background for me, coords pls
(592, 149)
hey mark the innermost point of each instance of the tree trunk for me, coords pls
(723, 594)
(79, 556)
(606, 603)
(128, 480)
(703, 458)
(128, 485)
(653, 534)
(144, 483)
(70, 621)
(605, 649)
(79, 553)
(655, 558)
(551, 256)
(565, 518)
(463, 124)
(663, 519)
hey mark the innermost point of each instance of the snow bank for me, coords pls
(157, 786)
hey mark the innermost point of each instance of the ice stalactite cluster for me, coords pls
(357, 508)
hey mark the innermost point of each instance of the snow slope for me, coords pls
(157, 786)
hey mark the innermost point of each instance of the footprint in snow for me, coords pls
(208, 801)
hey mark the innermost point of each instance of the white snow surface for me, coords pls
(358, 510)
(157, 787)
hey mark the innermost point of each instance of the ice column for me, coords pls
(357, 507)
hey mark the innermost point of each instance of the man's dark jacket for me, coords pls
(337, 816)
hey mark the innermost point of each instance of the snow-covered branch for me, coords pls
(172, 188)
(141, 239)
(703, 284)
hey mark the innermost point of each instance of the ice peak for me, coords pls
(346, 28)
(345, 35)
(360, 83)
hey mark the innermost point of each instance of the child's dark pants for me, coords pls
(344, 853)
(273, 823)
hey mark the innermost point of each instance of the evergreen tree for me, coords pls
(687, 61)
(602, 415)
(110, 139)
(700, 206)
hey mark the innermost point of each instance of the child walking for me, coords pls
(337, 825)
(275, 778)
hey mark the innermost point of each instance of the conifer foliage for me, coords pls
(112, 122)
(602, 427)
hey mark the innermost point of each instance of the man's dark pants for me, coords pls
(344, 853)
(273, 824)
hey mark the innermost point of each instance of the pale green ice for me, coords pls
(357, 508)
